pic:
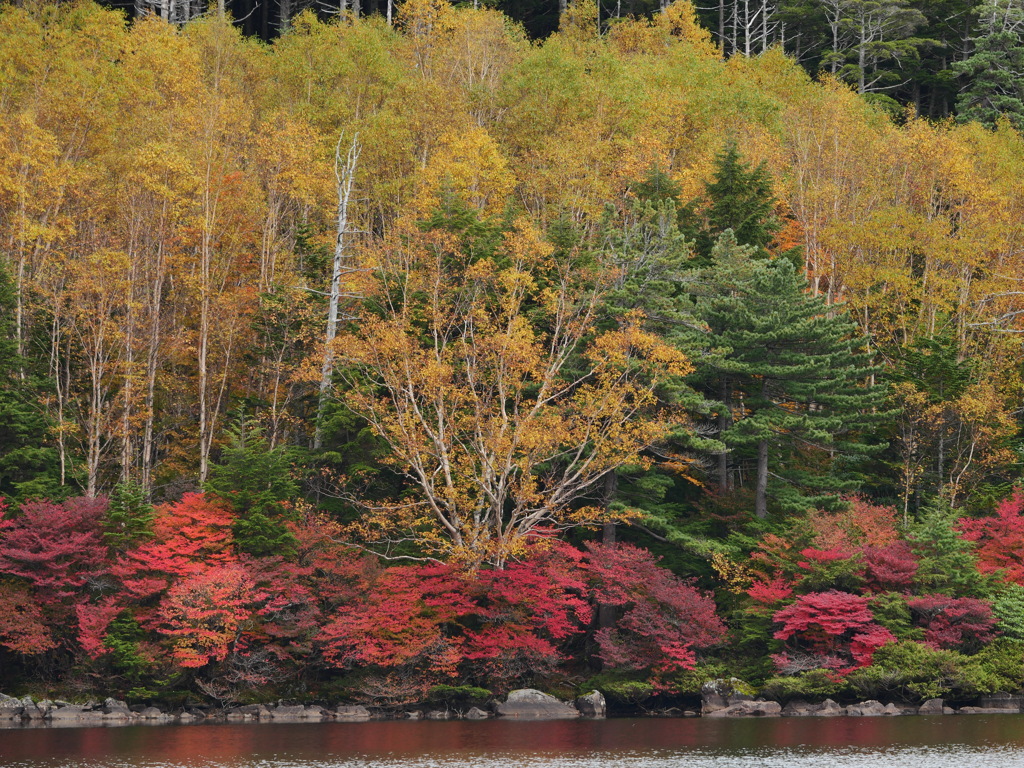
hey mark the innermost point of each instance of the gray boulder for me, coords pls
(749, 709)
(931, 707)
(351, 714)
(10, 707)
(256, 711)
(592, 705)
(113, 705)
(870, 708)
(722, 693)
(1001, 701)
(439, 714)
(35, 710)
(296, 712)
(799, 708)
(829, 708)
(529, 704)
(476, 713)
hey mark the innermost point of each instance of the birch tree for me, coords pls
(342, 267)
(502, 408)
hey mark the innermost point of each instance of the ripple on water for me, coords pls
(960, 742)
(940, 756)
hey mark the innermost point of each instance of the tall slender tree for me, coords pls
(795, 371)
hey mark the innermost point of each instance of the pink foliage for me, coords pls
(93, 621)
(1000, 539)
(526, 609)
(833, 625)
(57, 548)
(402, 619)
(662, 619)
(829, 614)
(864, 644)
(954, 622)
(770, 592)
(831, 555)
(204, 613)
(889, 568)
(190, 535)
(23, 627)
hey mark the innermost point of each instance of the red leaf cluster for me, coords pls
(960, 623)
(663, 619)
(833, 624)
(1000, 539)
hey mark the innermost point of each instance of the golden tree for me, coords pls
(502, 402)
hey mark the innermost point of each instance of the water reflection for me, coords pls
(911, 742)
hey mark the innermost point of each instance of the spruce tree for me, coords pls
(791, 374)
(128, 520)
(256, 480)
(738, 198)
(992, 80)
(29, 468)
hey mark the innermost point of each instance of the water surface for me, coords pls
(902, 742)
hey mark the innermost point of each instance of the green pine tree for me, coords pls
(29, 468)
(256, 480)
(738, 198)
(128, 520)
(946, 562)
(993, 85)
(789, 375)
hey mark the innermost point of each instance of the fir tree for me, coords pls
(790, 374)
(128, 520)
(28, 467)
(256, 480)
(992, 73)
(738, 198)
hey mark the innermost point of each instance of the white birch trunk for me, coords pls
(344, 173)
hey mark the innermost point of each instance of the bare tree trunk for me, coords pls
(607, 614)
(152, 360)
(344, 174)
(724, 420)
(761, 493)
(721, 25)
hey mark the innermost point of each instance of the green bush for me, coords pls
(1009, 610)
(1002, 665)
(892, 612)
(688, 683)
(913, 672)
(620, 689)
(815, 685)
(459, 696)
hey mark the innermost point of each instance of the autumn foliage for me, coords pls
(540, 334)
(1000, 539)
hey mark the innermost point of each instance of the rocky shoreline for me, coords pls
(523, 704)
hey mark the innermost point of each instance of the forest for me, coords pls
(419, 361)
(944, 57)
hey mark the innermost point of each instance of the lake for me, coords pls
(975, 741)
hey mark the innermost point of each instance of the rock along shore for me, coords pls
(719, 700)
(524, 704)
